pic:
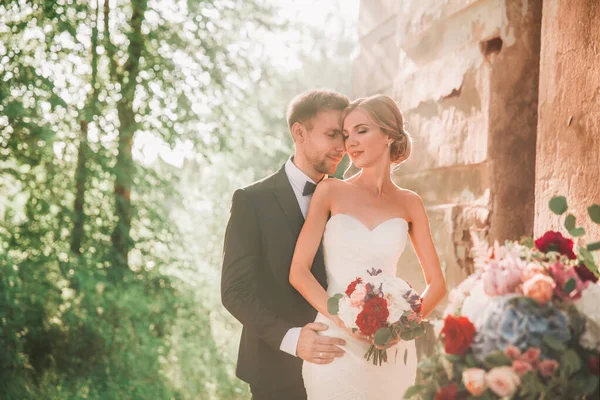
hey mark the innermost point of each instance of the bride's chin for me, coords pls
(357, 163)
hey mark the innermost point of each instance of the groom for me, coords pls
(265, 221)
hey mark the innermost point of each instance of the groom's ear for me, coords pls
(298, 132)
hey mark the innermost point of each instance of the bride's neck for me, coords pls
(376, 179)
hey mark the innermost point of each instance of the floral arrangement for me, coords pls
(383, 308)
(525, 325)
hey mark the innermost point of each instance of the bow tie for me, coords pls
(309, 188)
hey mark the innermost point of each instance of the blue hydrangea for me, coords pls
(518, 321)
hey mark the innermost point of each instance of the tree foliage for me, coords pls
(109, 265)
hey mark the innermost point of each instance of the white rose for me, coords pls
(476, 303)
(588, 303)
(397, 306)
(591, 337)
(348, 313)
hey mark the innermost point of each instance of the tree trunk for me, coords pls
(125, 168)
(89, 112)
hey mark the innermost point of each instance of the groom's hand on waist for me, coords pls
(318, 349)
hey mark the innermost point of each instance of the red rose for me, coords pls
(352, 286)
(373, 315)
(555, 241)
(458, 334)
(585, 274)
(594, 365)
(450, 392)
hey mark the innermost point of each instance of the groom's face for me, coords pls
(324, 144)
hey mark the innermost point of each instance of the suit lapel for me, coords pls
(291, 209)
(287, 201)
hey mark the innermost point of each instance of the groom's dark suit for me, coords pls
(261, 235)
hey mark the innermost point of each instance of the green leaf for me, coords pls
(570, 222)
(471, 361)
(577, 232)
(569, 363)
(333, 304)
(553, 343)
(411, 334)
(413, 390)
(487, 395)
(382, 336)
(593, 246)
(531, 386)
(497, 359)
(588, 260)
(558, 205)
(594, 212)
(585, 383)
(528, 242)
(453, 358)
(569, 286)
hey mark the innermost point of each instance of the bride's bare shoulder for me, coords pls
(334, 183)
(408, 196)
(331, 186)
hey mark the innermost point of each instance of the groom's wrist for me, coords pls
(289, 344)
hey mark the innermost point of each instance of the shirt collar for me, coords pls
(295, 175)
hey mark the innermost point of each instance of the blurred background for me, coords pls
(126, 125)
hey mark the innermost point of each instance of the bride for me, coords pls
(364, 222)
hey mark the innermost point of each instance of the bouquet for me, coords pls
(525, 325)
(384, 308)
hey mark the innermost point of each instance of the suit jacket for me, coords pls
(260, 239)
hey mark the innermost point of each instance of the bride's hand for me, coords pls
(361, 337)
(356, 335)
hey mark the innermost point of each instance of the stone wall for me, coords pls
(465, 76)
(568, 150)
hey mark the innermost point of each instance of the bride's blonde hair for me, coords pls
(385, 113)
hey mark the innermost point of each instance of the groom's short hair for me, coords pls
(307, 105)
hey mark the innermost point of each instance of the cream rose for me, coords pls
(357, 298)
(474, 380)
(503, 381)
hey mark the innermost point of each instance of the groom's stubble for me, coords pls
(323, 147)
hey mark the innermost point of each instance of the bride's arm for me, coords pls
(420, 236)
(306, 248)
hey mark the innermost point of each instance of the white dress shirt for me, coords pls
(297, 179)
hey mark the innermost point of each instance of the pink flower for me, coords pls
(521, 367)
(562, 275)
(548, 367)
(474, 380)
(532, 355)
(498, 281)
(512, 352)
(493, 282)
(513, 277)
(540, 288)
(503, 381)
(357, 298)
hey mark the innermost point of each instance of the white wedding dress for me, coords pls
(350, 249)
